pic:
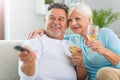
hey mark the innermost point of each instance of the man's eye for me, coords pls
(61, 19)
(51, 18)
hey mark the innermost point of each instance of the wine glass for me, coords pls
(74, 46)
(75, 43)
(92, 33)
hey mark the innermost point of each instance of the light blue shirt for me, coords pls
(94, 61)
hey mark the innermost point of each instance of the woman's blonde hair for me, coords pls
(82, 8)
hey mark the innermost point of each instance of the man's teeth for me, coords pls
(56, 27)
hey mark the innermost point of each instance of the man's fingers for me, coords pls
(28, 58)
(79, 50)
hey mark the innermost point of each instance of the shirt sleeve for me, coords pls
(24, 76)
(112, 41)
(68, 37)
(36, 46)
(118, 65)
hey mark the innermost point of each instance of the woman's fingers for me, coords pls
(41, 32)
(97, 46)
(35, 32)
(31, 34)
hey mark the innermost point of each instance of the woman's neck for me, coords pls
(85, 38)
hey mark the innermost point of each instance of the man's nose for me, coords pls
(56, 21)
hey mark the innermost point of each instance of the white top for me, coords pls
(53, 61)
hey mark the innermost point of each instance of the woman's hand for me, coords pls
(35, 32)
(97, 46)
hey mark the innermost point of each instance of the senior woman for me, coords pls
(105, 61)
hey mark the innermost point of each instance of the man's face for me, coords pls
(56, 23)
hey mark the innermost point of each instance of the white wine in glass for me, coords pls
(76, 43)
(92, 34)
(92, 37)
(73, 48)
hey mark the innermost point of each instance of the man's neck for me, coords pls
(56, 37)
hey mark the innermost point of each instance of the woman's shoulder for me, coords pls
(67, 37)
(106, 31)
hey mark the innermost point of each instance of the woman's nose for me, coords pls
(73, 22)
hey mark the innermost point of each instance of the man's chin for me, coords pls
(54, 35)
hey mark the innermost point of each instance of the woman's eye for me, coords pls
(69, 20)
(77, 19)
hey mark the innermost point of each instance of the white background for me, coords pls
(21, 17)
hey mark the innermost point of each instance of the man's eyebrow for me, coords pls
(58, 17)
(61, 17)
(51, 15)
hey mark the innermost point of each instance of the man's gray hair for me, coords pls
(58, 6)
(82, 8)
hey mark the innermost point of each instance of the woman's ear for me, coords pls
(90, 19)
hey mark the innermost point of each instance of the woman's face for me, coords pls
(78, 22)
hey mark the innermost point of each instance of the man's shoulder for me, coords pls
(33, 41)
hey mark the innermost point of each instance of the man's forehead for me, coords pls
(59, 12)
